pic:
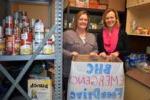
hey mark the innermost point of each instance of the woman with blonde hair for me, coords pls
(112, 39)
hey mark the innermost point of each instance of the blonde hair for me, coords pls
(116, 15)
(77, 16)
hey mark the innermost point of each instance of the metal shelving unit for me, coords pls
(57, 57)
(58, 48)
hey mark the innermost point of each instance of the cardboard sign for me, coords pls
(40, 89)
(94, 80)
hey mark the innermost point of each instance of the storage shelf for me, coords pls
(140, 35)
(133, 5)
(44, 2)
(25, 57)
(89, 10)
(55, 6)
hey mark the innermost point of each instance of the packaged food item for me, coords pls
(10, 45)
(2, 46)
(38, 34)
(49, 46)
(26, 42)
(9, 25)
(72, 3)
(93, 4)
(82, 3)
(139, 30)
(1, 32)
(40, 89)
(144, 31)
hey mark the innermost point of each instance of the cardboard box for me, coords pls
(40, 89)
(82, 3)
(93, 4)
(86, 58)
(72, 3)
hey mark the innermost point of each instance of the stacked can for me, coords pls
(10, 38)
(2, 41)
(38, 34)
(9, 25)
(12, 34)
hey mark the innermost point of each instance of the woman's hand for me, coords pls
(103, 54)
(115, 54)
(93, 54)
(74, 53)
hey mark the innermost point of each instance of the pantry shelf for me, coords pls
(26, 57)
(44, 2)
(90, 10)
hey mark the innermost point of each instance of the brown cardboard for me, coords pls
(86, 58)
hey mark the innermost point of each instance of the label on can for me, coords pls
(24, 36)
(39, 36)
(8, 31)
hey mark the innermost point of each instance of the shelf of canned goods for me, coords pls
(56, 30)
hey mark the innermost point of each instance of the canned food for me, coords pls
(2, 46)
(36, 44)
(26, 42)
(39, 36)
(49, 47)
(39, 26)
(8, 31)
(12, 45)
(1, 32)
(9, 21)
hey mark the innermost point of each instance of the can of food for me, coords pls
(2, 46)
(26, 42)
(17, 32)
(49, 46)
(1, 32)
(8, 31)
(39, 36)
(47, 49)
(36, 44)
(9, 21)
(10, 44)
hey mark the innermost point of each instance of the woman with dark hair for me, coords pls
(112, 39)
(77, 41)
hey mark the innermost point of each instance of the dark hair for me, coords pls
(77, 16)
(106, 12)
